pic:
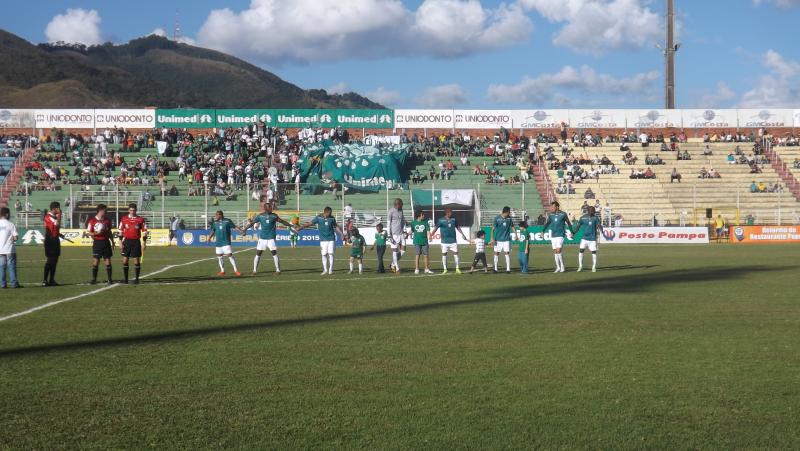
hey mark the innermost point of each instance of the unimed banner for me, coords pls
(13, 118)
(764, 234)
(200, 238)
(424, 119)
(64, 119)
(240, 118)
(128, 118)
(536, 234)
(181, 118)
(655, 235)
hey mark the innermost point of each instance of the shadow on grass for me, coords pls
(624, 284)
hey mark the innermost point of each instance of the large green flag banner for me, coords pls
(358, 167)
(441, 197)
(537, 235)
(185, 118)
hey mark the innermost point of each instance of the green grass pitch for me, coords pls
(664, 347)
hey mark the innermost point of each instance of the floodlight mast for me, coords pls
(669, 56)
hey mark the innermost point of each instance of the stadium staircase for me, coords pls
(15, 175)
(778, 157)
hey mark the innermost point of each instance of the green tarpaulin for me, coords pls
(356, 166)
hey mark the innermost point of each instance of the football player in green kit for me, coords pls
(267, 221)
(327, 226)
(591, 226)
(557, 223)
(357, 244)
(221, 230)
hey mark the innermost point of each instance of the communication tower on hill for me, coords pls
(669, 57)
(176, 31)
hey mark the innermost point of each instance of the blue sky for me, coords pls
(470, 53)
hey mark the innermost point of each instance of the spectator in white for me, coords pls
(271, 197)
(644, 139)
(174, 226)
(675, 176)
(707, 151)
(8, 251)
(348, 212)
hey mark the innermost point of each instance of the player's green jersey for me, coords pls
(556, 223)
(222, 231)
(447, 229)
(591, 226)
(358, 246)
(502, 228)
(420, 230)
(523, 239)
(381, 237)
(326, 227)
(267, 222)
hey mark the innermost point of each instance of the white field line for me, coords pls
(100, 290)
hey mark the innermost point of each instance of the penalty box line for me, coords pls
(106, 288)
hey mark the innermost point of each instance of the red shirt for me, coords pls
(132, 227)
(101, 228)
(52, 226)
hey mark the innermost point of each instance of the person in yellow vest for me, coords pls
(719, 225)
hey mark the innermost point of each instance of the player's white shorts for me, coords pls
(266, 244)
(502, 246)
(396, 240)
(224, 250)
(557, 242)
(451, 247)
(327, 247)
(591, 244)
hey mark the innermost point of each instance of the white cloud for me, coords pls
(75, 26)
(158, 32)
(778, 3)
(779, 88)
(718, 98)
(338, 88)
(583, 83)
(273, 31)
(597, 26)
(443, 96)
(384, 96)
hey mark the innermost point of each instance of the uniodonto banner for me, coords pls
(35, 237)
(764, 234)
(15, 118)
(482, 119)
(424, 119)
(654, 235)
(64, 118)
(129, 118)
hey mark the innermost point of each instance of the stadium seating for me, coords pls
(638, 200)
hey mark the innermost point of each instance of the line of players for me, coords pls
(133, 234)
(557, 224)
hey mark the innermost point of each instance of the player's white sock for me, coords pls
(444, 262)
(233, 263)
(508, 263)
(561, 261)
(580, 259)
(277, 263)
(394, 259)
(360, 267)
(330, 263)
(256, 259)
(495, 261)
(324, 263)
(221, 266)
(351, 266)
(555, 257)
(455, 258)
(594, 260)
